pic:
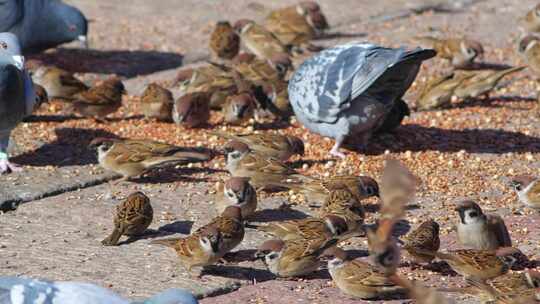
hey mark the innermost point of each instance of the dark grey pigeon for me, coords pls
(42, 24)
(25, 290)
(17, 96)
(349, 91)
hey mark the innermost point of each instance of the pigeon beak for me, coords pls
(19, 61)
(84, 41)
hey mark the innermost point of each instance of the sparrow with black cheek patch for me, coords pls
(230, 226)
(483, 82)
(157, 102)
(192, 109)
(100, 100)
(274, 145)
(263, 171)
(258, 40)
(423, 238)
(132, 218)
(328, 227)
(460, 51)
(481, 231)
(293, 258)
(290, 25)
(214, 80)
(357, 278)
(438, 92)
(224, 41)
(261, 71)
(529, 48)
(198, 249)
(531, 21)
(342, 203)
(237, 191)
(131, 158)
(528, 190)
(420, 293)
(58, 83)
(239, 108)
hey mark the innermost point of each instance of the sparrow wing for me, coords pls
(69, 80)
(496, 224)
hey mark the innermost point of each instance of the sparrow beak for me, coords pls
(84, 41)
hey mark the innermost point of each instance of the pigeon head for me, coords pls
(10, 50)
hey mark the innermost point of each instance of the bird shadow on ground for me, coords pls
(414, 138)
(400, 228)
(183, 227)
(51, 118)
(238, 272)
(440, 267)
(124, 63)
(169, 174)
(243, 255)
(274, 215)
(70, 148)
(492, 102)
(487, 66)
(337, 35)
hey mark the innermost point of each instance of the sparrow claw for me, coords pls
(7, 167)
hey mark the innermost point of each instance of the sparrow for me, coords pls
(258, 40)
(420, 293)
(330, 92)
(482, 82)
(273, 145)
(477, 264)
(41, 97)
(309, 228)
(460, 51)
(425, 238)
(131, 158)
(100, 100)
(316, 190)
(359, 279)
(531, 21)
(17, 95)
(528, 190)
(132, 218)
(237, 191)
(58, 83)
(529, 48)
(239, 108)
(263, 171)
(213, 79)
(230, 226)
(290, 25)
(157, 102)
(261, 71)
(480, 231)
(196, 250)
(192, 109)
(293, 258)
(438, 92)
(224, 41)
(342, 203)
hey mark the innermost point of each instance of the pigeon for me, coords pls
(26, 290)
(347, 91)
(17, 96)
(42, 24)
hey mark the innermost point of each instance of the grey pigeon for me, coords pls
(348, 91)
(14, 290)
(42, 24)
(17, 96)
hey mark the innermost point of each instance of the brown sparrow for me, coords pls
(274, 145)
(316, 190)
(342, 203)
(263, 171)
(237, 191)
(41, 97)
(198, 249)
(239, 108)
(230, 226)
(420, 293)
(258, 40)
(425, 238)
(529, 47)
(131, 158)
(224, 41)
(132, 218)
(290, 25)
(528, 190)
(480, 231)
(192, 109)
(438, 92)
(157, 102)
(482, 82)
(58, 83)
(100, 100)
(531, 21)
(460, 51)
(213, 79)
(309, 228)
(293, 258)
(261, 71)
(479, 264)
(357, 278)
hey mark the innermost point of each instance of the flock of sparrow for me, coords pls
(328, 93)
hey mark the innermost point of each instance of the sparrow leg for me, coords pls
(335, 149)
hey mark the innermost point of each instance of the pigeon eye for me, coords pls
(3, 45)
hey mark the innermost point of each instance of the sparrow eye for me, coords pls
(235, 154)
(230, 194)
(517, 186)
